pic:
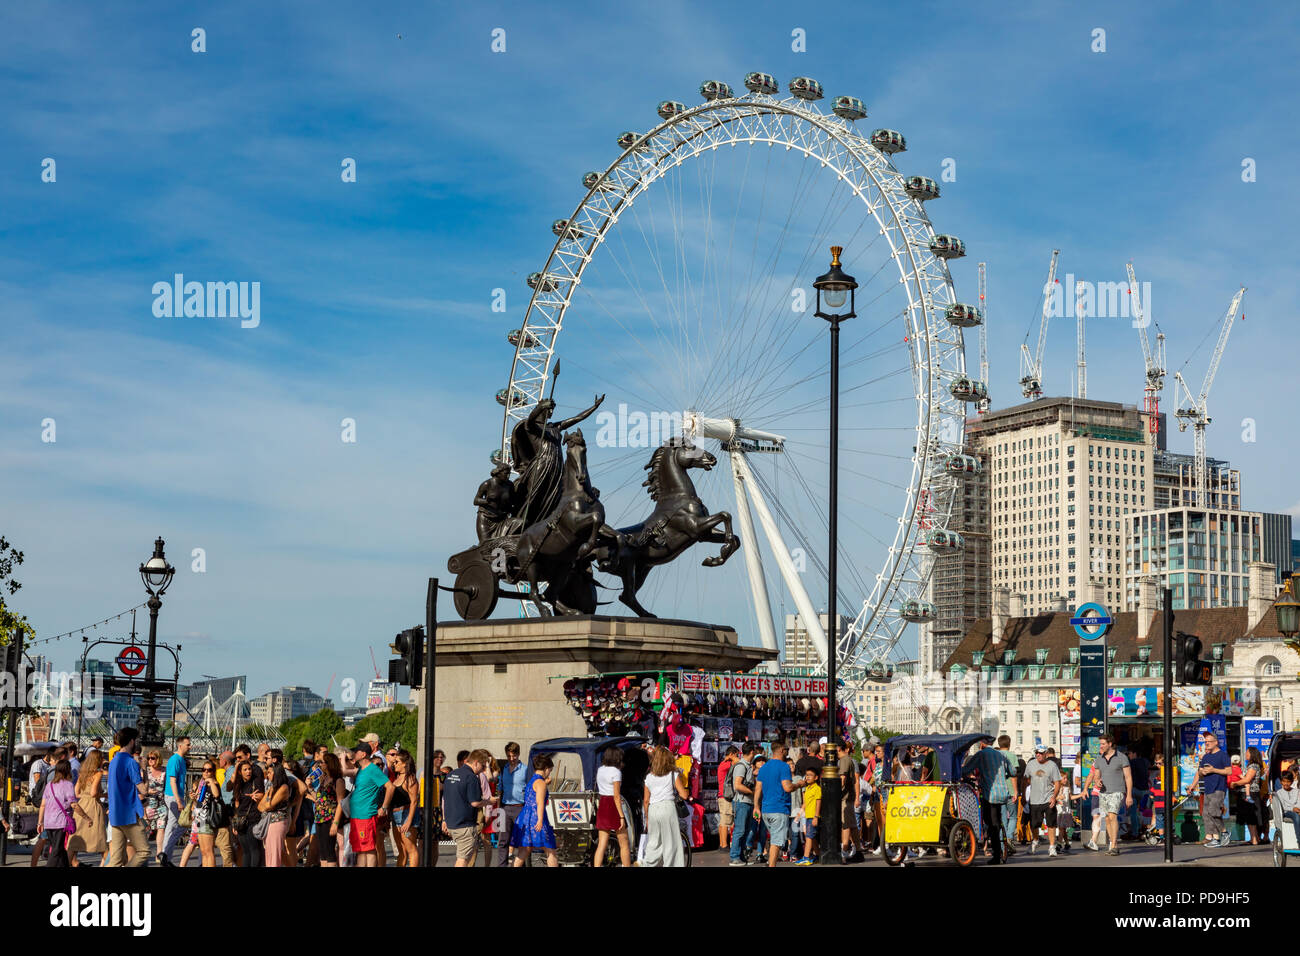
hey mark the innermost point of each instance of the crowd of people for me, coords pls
(362, 806)
(123, 806)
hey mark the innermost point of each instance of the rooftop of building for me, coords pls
(1052, 631)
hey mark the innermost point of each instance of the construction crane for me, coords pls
(982, 405)
(1083, 362)
(1031, 365)
(1155, 360)
(1195, 412)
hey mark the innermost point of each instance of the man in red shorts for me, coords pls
(372, 792)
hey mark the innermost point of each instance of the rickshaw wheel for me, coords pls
(1279, 854)
(961, 843)
(895, 855)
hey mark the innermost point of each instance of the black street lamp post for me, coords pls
(834, 289)
(157, 575)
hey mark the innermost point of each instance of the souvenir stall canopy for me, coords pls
(699, 714)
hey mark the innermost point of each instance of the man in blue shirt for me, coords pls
(1214, 769)
(514, 783)
(125, 809)
(174, 794)
(772, 792)
(985, 764)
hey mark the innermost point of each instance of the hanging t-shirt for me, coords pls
(680, 736)
(606, 777)
(724, 728)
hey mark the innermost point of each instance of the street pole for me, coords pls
(427, 833)
(11, 734)
(150, 729)
(830, 822)
(1167, 783)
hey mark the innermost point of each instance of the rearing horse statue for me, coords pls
(679, 520)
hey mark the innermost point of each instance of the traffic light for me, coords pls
(408, 667)
(1188, 666)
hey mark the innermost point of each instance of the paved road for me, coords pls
(1130, 855)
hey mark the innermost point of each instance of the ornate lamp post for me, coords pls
(157, 575)
(835, 288)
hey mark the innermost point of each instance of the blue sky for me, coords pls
(376, 295)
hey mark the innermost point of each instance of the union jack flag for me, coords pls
(569, 811)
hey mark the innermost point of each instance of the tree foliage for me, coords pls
(322, 727)
(399, 725)
(10, 558)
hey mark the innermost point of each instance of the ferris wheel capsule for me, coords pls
(567, 230)
(888, 140)
(628, 140)
(670, 108)
(947, 247)
(539, 282)
(962, 466)
(806, 88)
(921, 187)
(963, 316)
(943, 542)
(715, 90)
(496, 457)
(511, 398)
(761, 83)
(966, 389)
(515, 336)
(849, 107)
(917, 612)
(593, 180)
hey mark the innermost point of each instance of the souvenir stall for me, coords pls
(699, 714)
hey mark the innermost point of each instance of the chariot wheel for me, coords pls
(1279, 854)
(476, 592)
(680, 287)
(895, 854)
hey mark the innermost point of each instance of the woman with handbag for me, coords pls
(56, 812)
(247, 822)
(327, 811)
(91, 818)
(276, 804)
(205, 811)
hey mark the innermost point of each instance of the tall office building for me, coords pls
(799, 650)
(273, 709)
(1062, 475)
(1276, 530)
(961, 586)
(1203, 557)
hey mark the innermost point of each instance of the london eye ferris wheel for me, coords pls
(679, 286)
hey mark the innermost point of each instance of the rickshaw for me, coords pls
(942, 813)
(1283, 747)
(571, 798)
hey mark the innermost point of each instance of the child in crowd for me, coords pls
(812, 808)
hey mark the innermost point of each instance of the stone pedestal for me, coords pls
(501, 680)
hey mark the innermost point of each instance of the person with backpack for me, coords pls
(742, 803)
(989, 768)
(726, 814)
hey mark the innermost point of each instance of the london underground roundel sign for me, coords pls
(131, 661)
(1091, 621)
